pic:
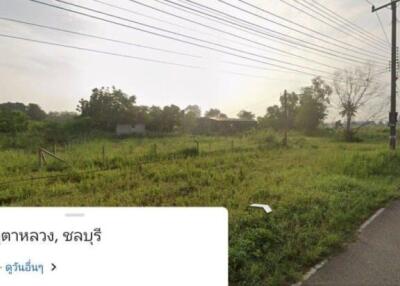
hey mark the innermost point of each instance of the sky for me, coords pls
(239, 77)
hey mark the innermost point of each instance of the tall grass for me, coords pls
(320, 190)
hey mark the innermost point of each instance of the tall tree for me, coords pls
(35, 112)
(192, 113)
(312, 109)
(194, 110)
(13, 122)
(108, 107)
(354, 89)
(171, 118)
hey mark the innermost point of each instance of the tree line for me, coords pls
(106, 107)
(100, 114)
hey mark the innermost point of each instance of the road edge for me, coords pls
(321, 264)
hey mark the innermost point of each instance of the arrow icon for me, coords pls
(53, 267)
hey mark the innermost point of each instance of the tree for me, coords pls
(35, 112)
(191, 114)
(155, 118)
(354, 88)
(275, 117)
(193, 109)
(13, 106)
(108, 107)
(171, 118)
(272, 119)
(13, 122)
(216, 113)
(246, 115)
(313, 105)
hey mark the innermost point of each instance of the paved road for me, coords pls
(373, 260)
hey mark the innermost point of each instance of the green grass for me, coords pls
(320, 190)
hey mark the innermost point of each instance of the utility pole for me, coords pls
(286, 118)
(393, 113)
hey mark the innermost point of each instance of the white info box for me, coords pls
(114, 246)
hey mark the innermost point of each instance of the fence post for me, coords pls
(103, 153)
(197, 147)
(40, 157)
(155, 149)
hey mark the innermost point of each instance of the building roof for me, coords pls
(229, 119)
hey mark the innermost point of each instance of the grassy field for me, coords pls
(320, 189)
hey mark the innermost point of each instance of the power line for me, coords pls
(116, 41)
(337, 21)
(304, 43)
(181, 26)
(109, 53)
(380, 22)
(190, 37)
(383, 29)
(365, 52)
(295, 23)
(231, 34)
(146, 16)
(343, 19)
(336, 25)
(129, 56)
(97, 51)
(98, 37)
(181, 40)
(150, 17)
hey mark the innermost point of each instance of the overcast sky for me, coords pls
(56, 77)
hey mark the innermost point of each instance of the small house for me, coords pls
(127, 129)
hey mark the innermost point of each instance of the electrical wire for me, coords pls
(304, 43)
(368, 42)
(98, 37)
(186, 41)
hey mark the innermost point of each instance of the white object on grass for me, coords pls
(266, 208)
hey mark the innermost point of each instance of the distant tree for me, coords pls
(189, 120)
(272, 119)
(13, 106)
(313, 105)
(246, 115)
(194, 110)
(213, 112)
(354, 89)
(13, 122)
(155, 119)
(171, 118)
(108, 107)
(275, 117)
(141, 114)
(35, 112)
(32, 110)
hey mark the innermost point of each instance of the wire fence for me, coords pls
(154, 156)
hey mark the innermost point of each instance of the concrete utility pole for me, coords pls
(393, 113)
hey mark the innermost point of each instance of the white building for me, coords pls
(127, 129)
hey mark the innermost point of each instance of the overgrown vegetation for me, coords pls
(320, 190)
